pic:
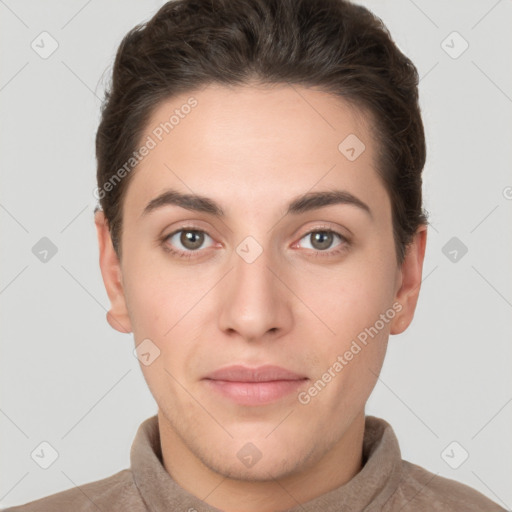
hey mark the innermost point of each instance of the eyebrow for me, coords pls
(304, 203)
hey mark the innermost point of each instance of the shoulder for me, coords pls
(114, 493)
(421, 490)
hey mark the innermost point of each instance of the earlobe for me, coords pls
(408, 288)
(110, 267)
(116, 324)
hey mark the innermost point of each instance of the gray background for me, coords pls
(67, 378)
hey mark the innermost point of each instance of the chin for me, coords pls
(256, 459)
(264, 470)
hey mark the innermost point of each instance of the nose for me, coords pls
(255, 302)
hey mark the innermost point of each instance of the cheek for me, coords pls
(350, 298)
(356, 303)
(157, 295)
(147, 301)
(349, 359)
(165, 306)
(158, 302)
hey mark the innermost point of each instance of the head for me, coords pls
(259, 176)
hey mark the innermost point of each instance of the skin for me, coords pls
(253, 149)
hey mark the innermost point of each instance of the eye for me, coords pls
(186, 240)
(322, 239)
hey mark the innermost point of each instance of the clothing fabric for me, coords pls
(385, 483)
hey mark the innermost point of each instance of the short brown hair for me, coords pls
(332, 45)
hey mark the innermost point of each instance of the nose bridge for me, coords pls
(254, 301)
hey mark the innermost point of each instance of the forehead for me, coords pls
(255, 143)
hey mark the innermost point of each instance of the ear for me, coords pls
(110, 266)
(409, 281)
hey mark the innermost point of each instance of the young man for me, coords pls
(261, 234)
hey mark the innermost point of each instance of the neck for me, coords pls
(335, 468)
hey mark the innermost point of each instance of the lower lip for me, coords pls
(255, 393)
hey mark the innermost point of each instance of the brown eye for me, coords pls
(321, 240)
(192, 240)
(187, 240)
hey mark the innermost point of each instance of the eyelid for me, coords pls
(337, 230)
(186, 228)
(345, 241)
(190, 225)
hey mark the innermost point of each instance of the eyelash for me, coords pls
(343, 246)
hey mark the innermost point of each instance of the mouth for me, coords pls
(254, 386)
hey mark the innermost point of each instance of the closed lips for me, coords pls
(267, 373)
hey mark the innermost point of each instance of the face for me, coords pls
(264, 310)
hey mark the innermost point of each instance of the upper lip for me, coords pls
(267, 373)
